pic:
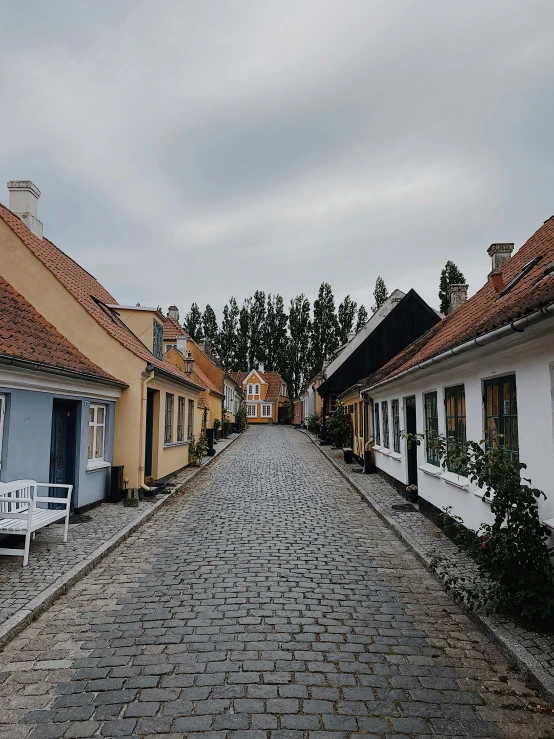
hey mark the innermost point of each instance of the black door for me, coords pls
(411, 429)
(63, 448)
(149, 432)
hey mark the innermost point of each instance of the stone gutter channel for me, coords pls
(532, 652)
(33, 608)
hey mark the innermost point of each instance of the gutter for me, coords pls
(517, 326)
(50, 369)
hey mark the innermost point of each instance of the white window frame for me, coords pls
(251, 407)
(257, 389)
(266, 410)
(95, 461)
(250, 389)
(2, 414)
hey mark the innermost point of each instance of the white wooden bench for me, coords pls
(20, 515)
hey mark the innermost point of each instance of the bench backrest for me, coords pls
(18, 499)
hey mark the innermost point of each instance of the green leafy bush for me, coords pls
(339, 427)
(198, 450)
(314, 422)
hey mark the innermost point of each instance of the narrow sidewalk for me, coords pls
(25, 592)
(532, 651)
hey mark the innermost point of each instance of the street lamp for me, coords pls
(189, 363)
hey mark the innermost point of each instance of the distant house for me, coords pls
(265, 393)
(402, 319)
(312, 402)
(57, 408)
(156, 410)
(488, 366)
(233, 393)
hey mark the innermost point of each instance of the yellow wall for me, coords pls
(214, 401)
(141, 323)
(253, 379)
(354, 404)
(28, 275)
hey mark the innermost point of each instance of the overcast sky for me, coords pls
(190, 151)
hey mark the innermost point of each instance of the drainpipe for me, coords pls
(142, 434)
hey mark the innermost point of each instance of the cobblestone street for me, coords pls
(269, 601)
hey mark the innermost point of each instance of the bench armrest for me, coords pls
(52, 499)
(10, 499)
(53, 485)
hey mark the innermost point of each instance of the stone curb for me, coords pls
(513, 650)
(20, 620)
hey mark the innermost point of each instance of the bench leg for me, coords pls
(33, 535)
(26, 551)
(66, 527)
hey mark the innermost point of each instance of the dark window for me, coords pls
(189, 419)
(385, 414)
(332, 403)
(431, 427)
(395, 426)
(377, 427)
(168, 418)
(455, 403)
(501, 414)
(355, 412)
(180, 419)
(158, 340)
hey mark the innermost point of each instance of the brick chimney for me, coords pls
(173, 312)
(23, 203)
(457, 294)
(500, 255)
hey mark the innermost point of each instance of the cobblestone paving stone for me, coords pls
(541, 646)
(50, 558)
(265, 601)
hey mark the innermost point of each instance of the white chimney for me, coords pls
(500, 255)
(182, 344)
(173, 312)
(261, 367)
(457, 294)
(23, 203)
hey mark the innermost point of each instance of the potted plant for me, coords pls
(217, 428)
(339, 427)
(198, 450)
(411, 493)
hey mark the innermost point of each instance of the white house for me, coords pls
(489, 364)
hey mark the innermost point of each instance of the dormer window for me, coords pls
(250, 390)
(257, 390)
(157, 339)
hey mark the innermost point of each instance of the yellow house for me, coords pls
(264, 393)
(354, 405)
(205, 371)
(156, 411)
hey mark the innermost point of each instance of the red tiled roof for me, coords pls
(172, 330)
(487, 309)
(88, 291)
(25, 334)
(273, 379)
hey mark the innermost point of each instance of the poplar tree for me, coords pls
(324, 333)
(345, 317)
(257, 320)
(227, 343)
(193, 323)
(243, 337)
(275, 334)
(380, 294)
(209, 325)
(450, 275)
(299, 354)
(362, 318)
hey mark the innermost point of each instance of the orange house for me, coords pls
(264, 393)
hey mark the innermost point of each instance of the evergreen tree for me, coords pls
(450, 275)
(227, 343)
(299, 354)
(380, 294)
(275, 334)
(324, 333)
(193, 323)
(257, 320)
(362, 318)
(243, 337)
(345, 317)
(209, 325)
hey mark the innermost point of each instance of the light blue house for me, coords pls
(57, 408)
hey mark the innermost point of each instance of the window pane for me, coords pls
(100, 414)
(91, 442)
(99, 452)
(91, 412)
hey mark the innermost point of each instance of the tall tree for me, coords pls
(243, 337)
(324, 333)
(209, 326)
(299, 354)
(257, 319)
(450, 275)
(227, 343)
(275, 334)
(362, 318)
(380, 294)
(193, 323)
(345, 316)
